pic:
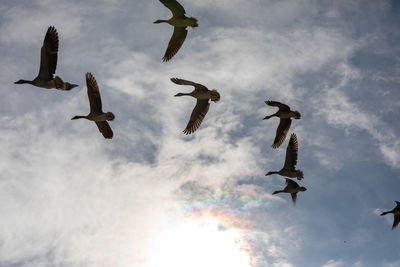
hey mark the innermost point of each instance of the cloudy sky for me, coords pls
(152, 196)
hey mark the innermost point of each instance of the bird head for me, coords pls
(22, 81)
(303, 188)
(297, 115)
(215, 95)
(110, 116)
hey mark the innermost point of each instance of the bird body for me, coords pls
(199, 94)
(203, 95)
(292, 188)
(285, 114)
(96, 113)
(396, 213)
(289, 168)
(288, 173)
(109, 116)
(48, 65)
(180, 23)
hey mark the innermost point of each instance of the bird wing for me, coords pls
(176, 42)
(280, 105)
(291, 153)
(290, 184)
(105, 129)
(294, 198)
(281, 132)
(93, 94)
(197, 86)
(198, 114)
(396, 221)
(48, 54)
(176, 8)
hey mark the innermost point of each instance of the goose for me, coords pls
(180, 22)
(96, 114)
(48, 64)
(202, 94)
(285, 115)
(289, 169)
(396, 213)
(292, 188)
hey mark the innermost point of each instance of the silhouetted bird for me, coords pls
(180, 22)
(396, 213)
(289, 169)
(48, 64)
(292, 188)
(96, 113)
(202, 94)
(284, 113)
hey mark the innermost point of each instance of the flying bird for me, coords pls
(96, 113)
(396, 213)
(292, 188)
(284, 114)
(203, 95)
(48, 64)
(289, 169)
(180, 22)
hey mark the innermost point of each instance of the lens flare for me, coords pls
(198, 243)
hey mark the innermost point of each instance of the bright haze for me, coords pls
(153, 196)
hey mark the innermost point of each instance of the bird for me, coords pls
(396, 213)
(96, 113)
(180, 22)
(48, 64)
(203, 95)
(284, 114)
(291, 187)
(289, 168)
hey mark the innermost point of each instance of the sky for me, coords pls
(153, 196)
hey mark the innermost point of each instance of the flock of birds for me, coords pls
(46, 79)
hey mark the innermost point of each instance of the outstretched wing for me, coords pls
(48, 54)
(290, 184)
(176, 8)
(105, 129)
(198, 114)
(176, 42)
(93, 94)
(291, 153)
(294, 198)
(396, 221)
(197, 86)
(281, 132)
(280, 105)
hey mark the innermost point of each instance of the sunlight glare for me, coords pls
(197, 244)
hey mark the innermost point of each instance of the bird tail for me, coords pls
(194, 21)
(69, 86)
(300, 175)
